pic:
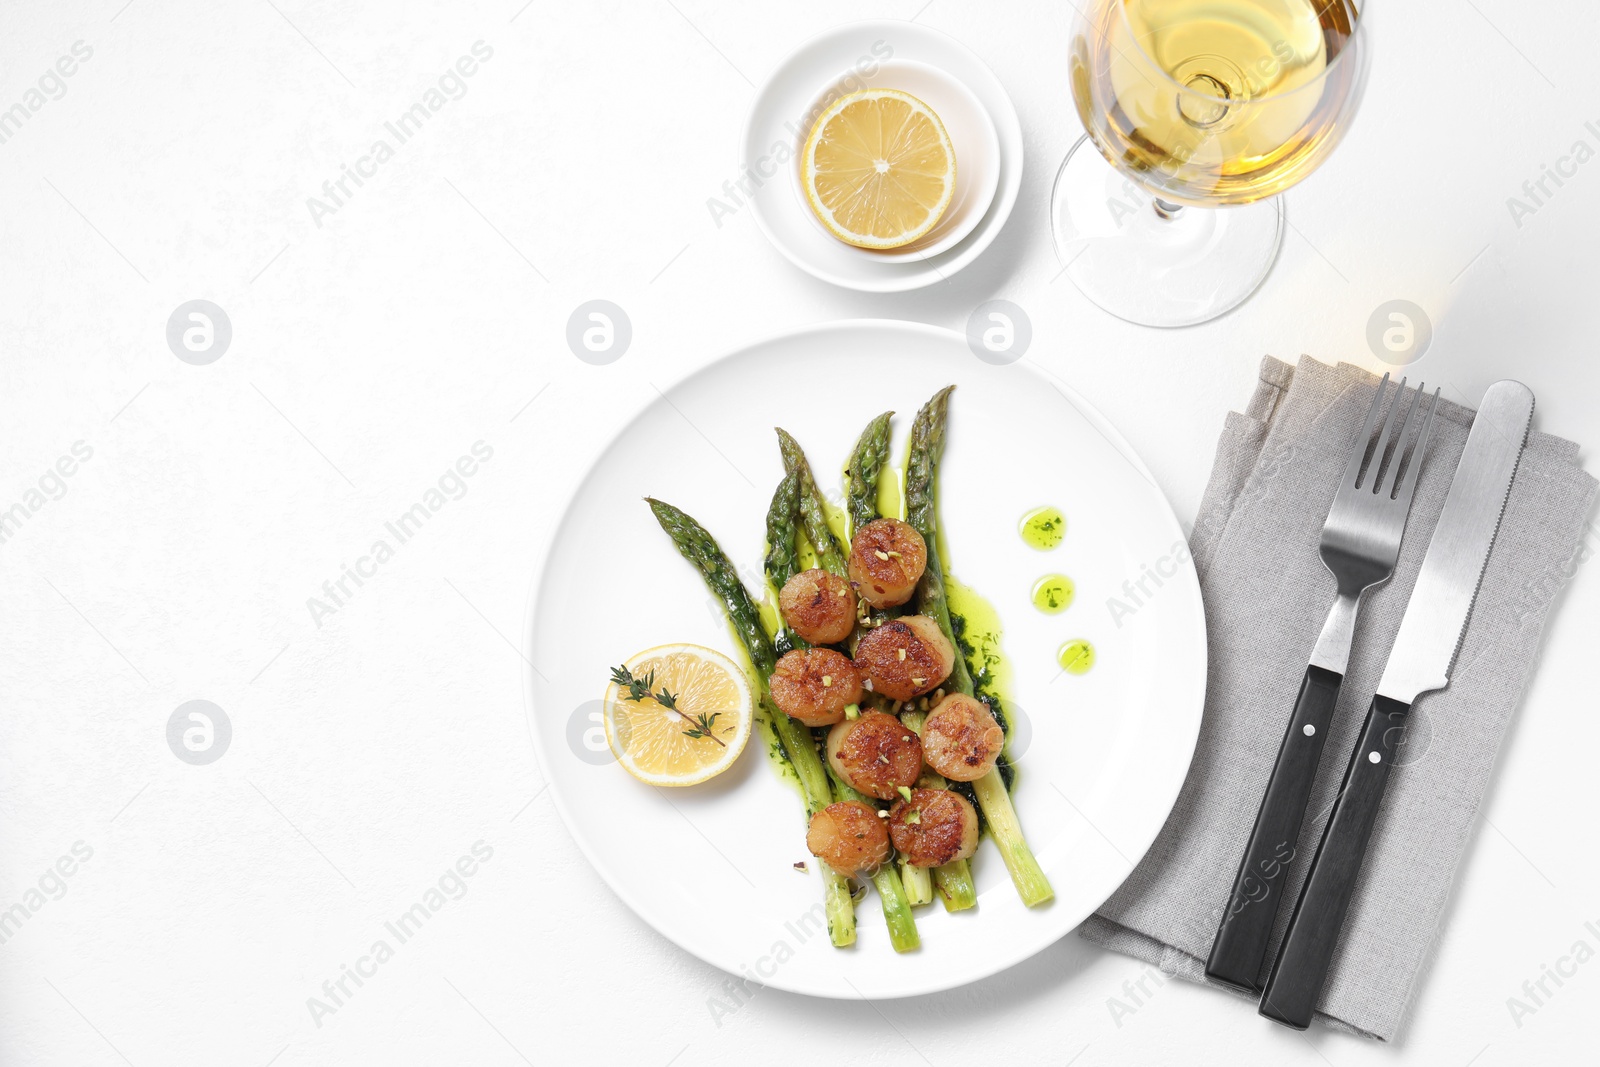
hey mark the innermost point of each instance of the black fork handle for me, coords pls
(1240, 947)
(1292, 989)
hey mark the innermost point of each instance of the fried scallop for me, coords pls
(887, 558)
(961, 739)
(934, 827)
(819, 606)
(849, 837)
(815, 685)
(876, 754)
(906, 657)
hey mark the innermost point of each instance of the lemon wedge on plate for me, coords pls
(878, 168)
(669, 746)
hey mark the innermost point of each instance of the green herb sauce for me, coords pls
(1043, 528)
(1076, 656)
(1053, 593)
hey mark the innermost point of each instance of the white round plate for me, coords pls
(886, 54)
(1100, 756)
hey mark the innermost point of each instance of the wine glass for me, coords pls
(1205, 109)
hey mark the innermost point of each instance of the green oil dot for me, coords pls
(1076, 657)
(1053, 593)
(1043, 528)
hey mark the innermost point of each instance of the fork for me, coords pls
(1360, 544)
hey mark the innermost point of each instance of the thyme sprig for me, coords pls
(638, 689)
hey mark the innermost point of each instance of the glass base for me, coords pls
(1154, 263)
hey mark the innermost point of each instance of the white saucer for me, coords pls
(978, 114)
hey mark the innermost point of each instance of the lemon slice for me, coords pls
(878, 168)
(652, 741)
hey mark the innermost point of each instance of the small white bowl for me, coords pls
(972, 135)
(925, 63)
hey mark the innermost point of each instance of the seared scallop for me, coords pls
(849, 837)
(961, 739)
(819, 606)
(906, 657)
(934, 827)
(815, 686)
(875, 753)
(887, 557)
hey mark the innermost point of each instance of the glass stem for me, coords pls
(1164, 209)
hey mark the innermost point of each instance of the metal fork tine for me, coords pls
(1376, 467)
(1392, 478)
(1414, 466)
(1358, 455)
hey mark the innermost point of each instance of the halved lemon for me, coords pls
(878, 168)
(653, 742)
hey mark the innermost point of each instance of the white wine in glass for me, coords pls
(1200, 106)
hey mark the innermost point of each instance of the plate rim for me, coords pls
(822, 329)
(1006, 194)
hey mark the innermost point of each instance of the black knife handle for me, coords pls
(1240, 947)
(1301, 968)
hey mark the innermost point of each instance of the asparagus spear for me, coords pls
(956, 887)
(831, 555)
(862, 473)
(886, 879)
(813, 515)
(782, 563)
(918, 881)
(927, 445)
(861, 476)
(783, 557)
(799, 748)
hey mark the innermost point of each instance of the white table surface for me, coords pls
(428, 313)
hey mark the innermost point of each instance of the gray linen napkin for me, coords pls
(1266, 592)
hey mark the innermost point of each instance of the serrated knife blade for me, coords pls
(1441, 601)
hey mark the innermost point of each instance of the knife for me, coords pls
(1420, 661)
